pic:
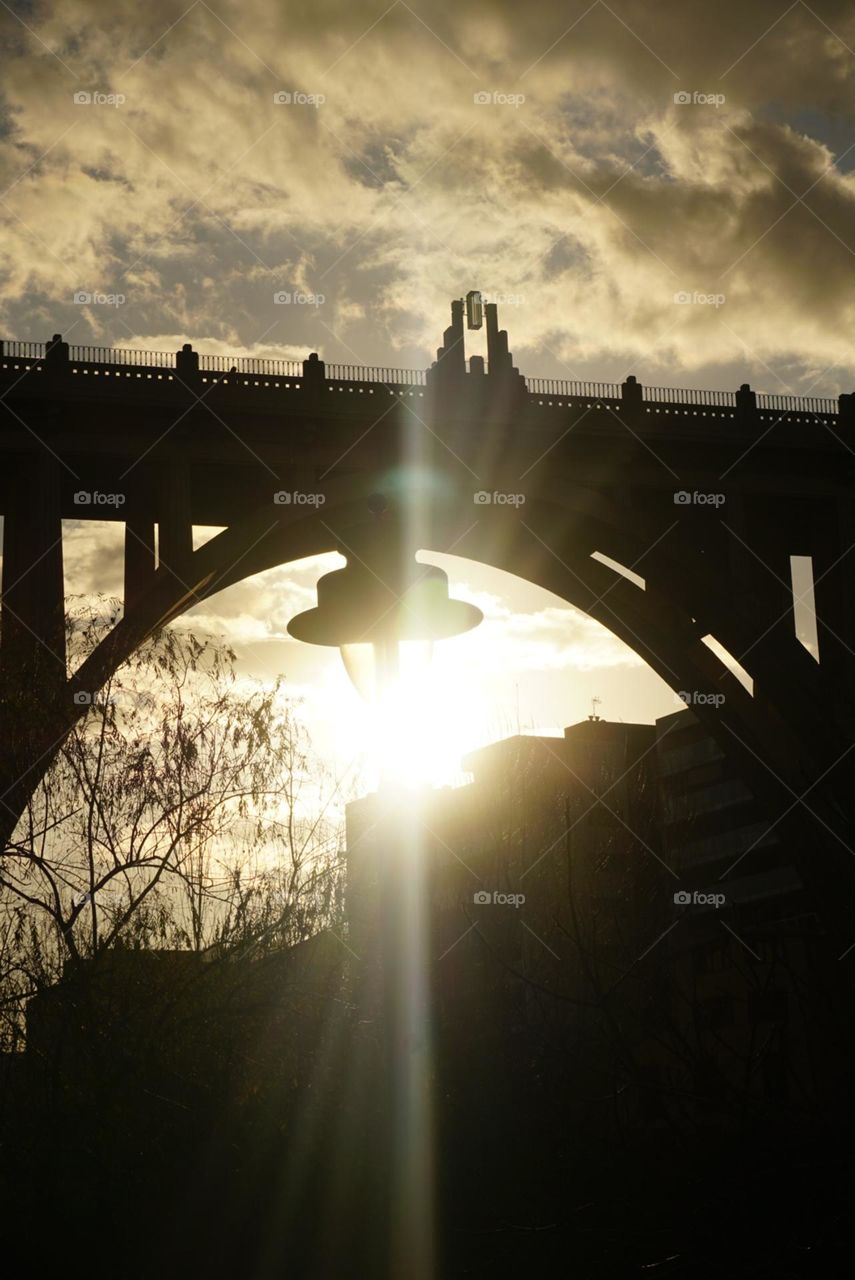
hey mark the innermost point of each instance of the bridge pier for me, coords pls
(140, 560)
(175, 529)
(33, 693)
(33, 590)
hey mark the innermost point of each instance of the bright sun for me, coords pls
(429, 718)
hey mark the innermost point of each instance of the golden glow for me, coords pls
(430, 715)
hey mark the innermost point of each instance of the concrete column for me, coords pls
(175, 543)
(33, 590)
(139, 558)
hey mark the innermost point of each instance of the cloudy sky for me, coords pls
(587, 163)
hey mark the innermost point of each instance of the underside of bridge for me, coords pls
(704, 497)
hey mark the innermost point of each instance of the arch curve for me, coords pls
(780, 740)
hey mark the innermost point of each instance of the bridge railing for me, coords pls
(23, 350)
(366, 373)
(264, 367)
(118, 355)
(796, 404)
(819, 406)
(563, 387)
(683, 395)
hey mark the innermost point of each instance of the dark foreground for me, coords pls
(179, 1144)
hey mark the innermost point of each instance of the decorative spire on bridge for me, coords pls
(449, 371)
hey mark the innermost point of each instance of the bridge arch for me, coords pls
(781, 739)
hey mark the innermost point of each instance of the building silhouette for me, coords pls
(611, 905)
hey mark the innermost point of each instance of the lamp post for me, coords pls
(381, 601)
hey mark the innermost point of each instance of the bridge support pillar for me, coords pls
(32, 646)
(139, 558)
(175, 541)
(33, 591)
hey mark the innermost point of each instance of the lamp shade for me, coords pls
(358, 606)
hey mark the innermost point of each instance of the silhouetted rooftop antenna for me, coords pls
(595, 702)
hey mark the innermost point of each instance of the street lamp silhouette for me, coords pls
(383, 605)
